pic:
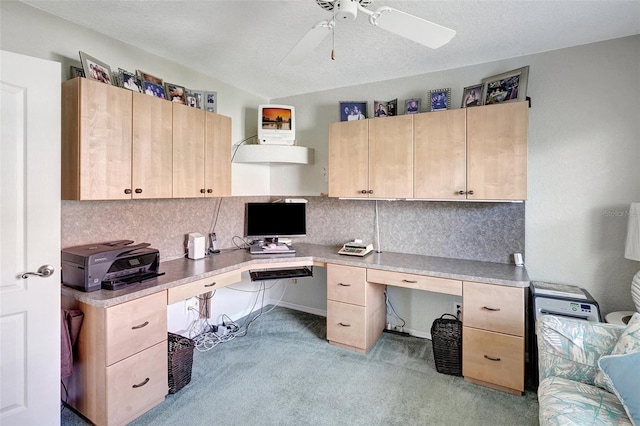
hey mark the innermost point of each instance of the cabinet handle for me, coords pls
(344, 325)
(344, 285)
(370, 191)
(364, 191)
(210, 285)
(486, 308)
(139, 385)
(144, 324)
(409, 281)
(138, 190)
(470, 192)
(491, 359)
(127, 191)
(461, 192)
(209, 191)
(202, 191)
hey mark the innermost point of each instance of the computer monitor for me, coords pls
(276, 124)
(270, 221)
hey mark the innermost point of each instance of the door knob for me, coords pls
(43, 271)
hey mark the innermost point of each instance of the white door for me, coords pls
(29, 240)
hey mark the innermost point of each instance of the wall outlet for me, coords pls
(191, 305)
(457, 309)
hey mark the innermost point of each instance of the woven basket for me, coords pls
(446, 337)
(180, 361)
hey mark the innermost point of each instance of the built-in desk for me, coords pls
(114, 382)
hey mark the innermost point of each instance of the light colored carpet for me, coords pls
(285, 373)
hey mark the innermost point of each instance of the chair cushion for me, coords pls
(623, 373)
(567, 402)
(628, 342)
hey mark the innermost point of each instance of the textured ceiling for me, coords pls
(242, 42)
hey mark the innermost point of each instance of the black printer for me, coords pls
(109, 265)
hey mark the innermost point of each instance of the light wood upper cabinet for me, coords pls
(439, 162)
(371, 158)
(497, 151)
(391, 157)
(217, 151)
(349, 159)
(96, 141)
(152, 147)
(188, 152)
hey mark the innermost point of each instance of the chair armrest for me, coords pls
(570, 348)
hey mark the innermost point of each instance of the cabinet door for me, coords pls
(497, 151)
(348, 159)
(152, 147)
(439, 163)
(188, 152)
(217, 150)
(103, 142)
(391, 157)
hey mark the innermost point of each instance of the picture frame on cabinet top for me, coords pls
(175, 93)
(153, 89)
(510, 86)
(95, 69)
(439, 99)
(150, 78)
(472, 96)
(351, 110)
(75, 72)
(412, 106)
(210, 100)
(130, 81)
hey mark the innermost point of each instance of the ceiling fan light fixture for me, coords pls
(347, 10)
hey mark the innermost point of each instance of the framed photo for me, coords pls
(94, 69)
(191, 99)
(353, 111)
(412, 106)
(380, 109)
(199, 96)
(150, 78)
(472, 96)
(75, 72)
(130, 81)
(175, 93)
(210, 101)
(153, 89)
(506, 87)
(439, 99)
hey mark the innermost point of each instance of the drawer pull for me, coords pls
(344, 285)
(144, 324)
(344, 325)
(139, 385)
(491, 309)
(210, 285)
(491, 359)
(410, 281)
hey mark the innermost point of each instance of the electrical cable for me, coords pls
(388, 302)
(239, 144)
(214, 221)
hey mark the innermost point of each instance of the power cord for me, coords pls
(388, 303)
(239, 144)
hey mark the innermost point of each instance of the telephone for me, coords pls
(355, 248)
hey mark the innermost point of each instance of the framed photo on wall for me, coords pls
(95, 69)
(510, 86)
(472, 96)
(353, 111)
(439, 99)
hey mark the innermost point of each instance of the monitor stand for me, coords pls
(273, 248)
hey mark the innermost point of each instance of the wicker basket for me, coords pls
(180, 361)
(446, 337)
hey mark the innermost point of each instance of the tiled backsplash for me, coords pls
(477, 231)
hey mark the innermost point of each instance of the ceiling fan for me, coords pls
(403, 24)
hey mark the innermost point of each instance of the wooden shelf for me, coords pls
(290, 154)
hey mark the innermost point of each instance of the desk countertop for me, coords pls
(183, 271)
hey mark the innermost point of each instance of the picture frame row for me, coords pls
(510, 86)
(143, 82)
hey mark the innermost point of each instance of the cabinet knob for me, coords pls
(202, 191)
(209, 191)
(461, 192)
(470, 192)
(138, 190)
(364, 191)
(370, 191)
(127, 191)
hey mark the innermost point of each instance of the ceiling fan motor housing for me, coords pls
(347, 10)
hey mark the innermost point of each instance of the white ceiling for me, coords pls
(242, 42)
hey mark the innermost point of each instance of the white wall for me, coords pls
(584, 152)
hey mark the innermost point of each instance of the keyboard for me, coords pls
(276, 274)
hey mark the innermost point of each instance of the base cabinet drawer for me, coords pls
(137, 383)
(346, 324)
(493, 358)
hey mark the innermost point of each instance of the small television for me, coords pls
(276, 124)
(270, 221)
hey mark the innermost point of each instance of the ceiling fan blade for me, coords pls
(308, 43)
(412, 27)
